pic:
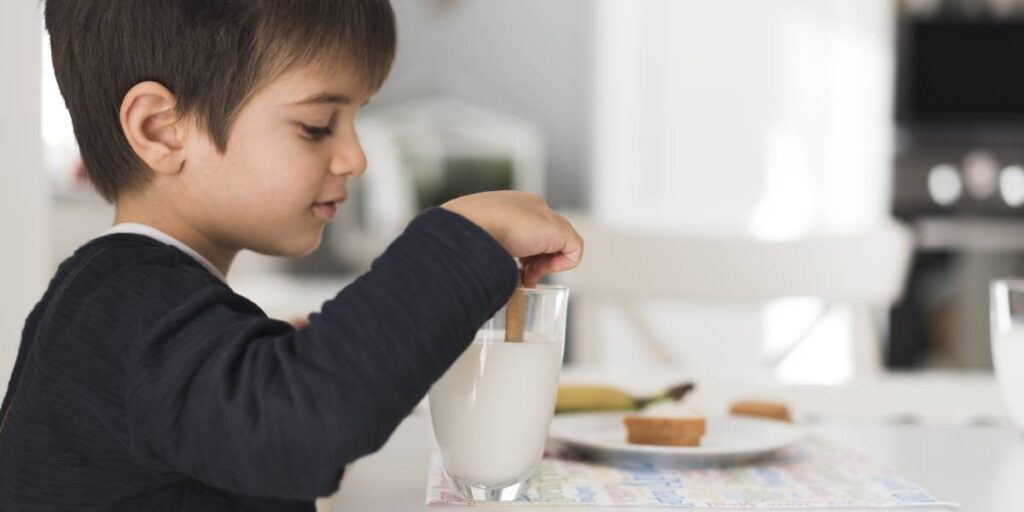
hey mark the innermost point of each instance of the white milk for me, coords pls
(492, 409)
(1008, 359)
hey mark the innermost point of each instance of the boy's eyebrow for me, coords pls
(328, 97)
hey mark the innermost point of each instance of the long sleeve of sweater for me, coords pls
(220, 392)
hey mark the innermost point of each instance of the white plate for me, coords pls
(727, 438)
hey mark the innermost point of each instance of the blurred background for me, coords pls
(804, 190)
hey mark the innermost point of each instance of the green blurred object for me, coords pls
(463, 175)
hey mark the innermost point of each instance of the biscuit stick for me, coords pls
(515, 316)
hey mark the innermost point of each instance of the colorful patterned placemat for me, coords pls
(811, 474)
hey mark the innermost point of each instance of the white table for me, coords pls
(981, 468)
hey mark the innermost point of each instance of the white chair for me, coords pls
(627, 267)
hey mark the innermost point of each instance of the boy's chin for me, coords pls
(295, 247)
(311, 247)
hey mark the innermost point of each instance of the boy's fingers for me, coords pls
(565, 254)
(556, 263)
(571, 250)
(541, 265)
(529, 279)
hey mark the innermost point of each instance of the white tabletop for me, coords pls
(945, 432)
(981, 468)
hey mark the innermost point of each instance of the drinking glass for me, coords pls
(1007, 332)
(491, 410)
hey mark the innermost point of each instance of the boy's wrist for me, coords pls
(490, 249)
(480, 221)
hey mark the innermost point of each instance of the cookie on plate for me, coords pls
(761, 409)
(664, 431)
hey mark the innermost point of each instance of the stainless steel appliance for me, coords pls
(958, 176)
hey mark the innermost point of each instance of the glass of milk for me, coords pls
(491, 410)
(1007, 329)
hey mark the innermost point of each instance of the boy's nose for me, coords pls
(349, 160)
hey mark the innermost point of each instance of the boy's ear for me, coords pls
(152, 127)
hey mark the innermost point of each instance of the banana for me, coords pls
(592, 398)
(581, 397)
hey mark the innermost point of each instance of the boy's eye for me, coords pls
(317, 132)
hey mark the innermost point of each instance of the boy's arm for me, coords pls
(244, 403)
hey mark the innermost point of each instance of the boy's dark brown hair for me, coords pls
(211, 54)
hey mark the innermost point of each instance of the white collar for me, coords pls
(160, 236)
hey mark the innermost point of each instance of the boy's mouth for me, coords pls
(326, 210)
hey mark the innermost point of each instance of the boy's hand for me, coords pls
(526, 227)
(299, 322)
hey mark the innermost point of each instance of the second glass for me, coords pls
(1007, 330)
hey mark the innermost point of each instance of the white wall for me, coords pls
(751, 118)
(743, 116)
(24, 202)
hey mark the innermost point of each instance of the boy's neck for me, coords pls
(137, 211)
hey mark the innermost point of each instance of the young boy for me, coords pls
(142, 381)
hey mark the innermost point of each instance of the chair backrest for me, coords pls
(864, 268)
(629, 269)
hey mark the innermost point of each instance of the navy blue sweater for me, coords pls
(144, 383)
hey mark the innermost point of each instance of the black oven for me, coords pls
(960, 70)
(958, 179)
